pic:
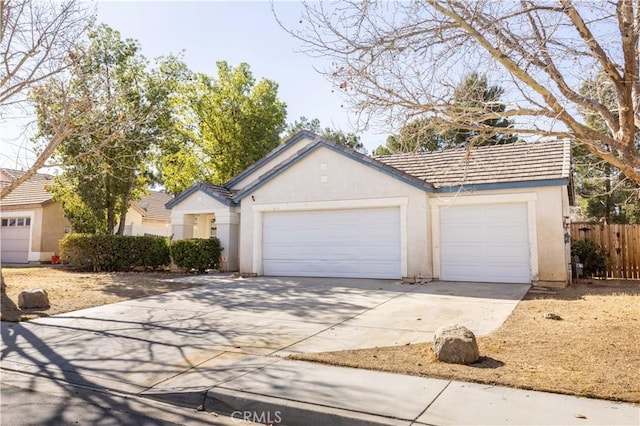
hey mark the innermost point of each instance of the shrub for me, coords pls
(591, 255)
(114, 252)
(196, 253)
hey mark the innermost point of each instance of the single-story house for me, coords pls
(149, 216)
(312, 207)
(32, 223)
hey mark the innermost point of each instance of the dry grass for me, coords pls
(70, 291)
(593, 351)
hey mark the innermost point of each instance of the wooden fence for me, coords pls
(622, 243)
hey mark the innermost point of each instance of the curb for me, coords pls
(269, 410)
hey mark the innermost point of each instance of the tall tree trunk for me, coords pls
(111, 218)
(126, 199)
(123, 215)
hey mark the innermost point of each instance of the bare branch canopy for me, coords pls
(399, 61)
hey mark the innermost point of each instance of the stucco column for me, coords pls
(182, 226)
(228, 223)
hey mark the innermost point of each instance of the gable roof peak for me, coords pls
(299, 135)
(219, 193)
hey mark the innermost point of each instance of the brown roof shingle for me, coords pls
(32, 191)
(154, 206)
(520, 162)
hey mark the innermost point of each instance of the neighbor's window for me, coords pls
(5, 222)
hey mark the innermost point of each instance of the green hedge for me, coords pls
(195, 253)
(114, 252)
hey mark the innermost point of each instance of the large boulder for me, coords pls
(455, 344)
(33, 299)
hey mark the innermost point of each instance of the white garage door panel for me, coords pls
(15, 244)
(332, 243)
(486, 243)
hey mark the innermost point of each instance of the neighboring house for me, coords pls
(315, 208)
(32, 223)
(149, 216)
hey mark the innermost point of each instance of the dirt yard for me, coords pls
(594, 351)
(70, 291)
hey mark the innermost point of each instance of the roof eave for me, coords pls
(198, 186)
(503, 185)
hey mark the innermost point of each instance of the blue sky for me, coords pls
(210, 31)
(237, 32)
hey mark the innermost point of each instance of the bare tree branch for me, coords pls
(36, 39)
(400, 61)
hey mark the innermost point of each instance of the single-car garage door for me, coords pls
(15, 239)
(359, 243)
(485, 243)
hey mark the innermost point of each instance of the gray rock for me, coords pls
(552, 316)
(455, 344)
(33, 299)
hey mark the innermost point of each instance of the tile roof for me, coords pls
(520, 162)
(217, 192)
(153, 206)
(495, 164)
(33, 191)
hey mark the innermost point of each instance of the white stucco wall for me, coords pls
(282, 156)
(551, 209)
(327, 178)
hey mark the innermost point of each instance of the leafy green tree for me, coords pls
(222, 125)
(83, 218)
(416, 136)
(106, 168)
(174, 83)
(474, 118)
(350, 140)
(303, 123)
(604, 191)
(473, 101)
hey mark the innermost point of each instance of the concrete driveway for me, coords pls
(227, 327)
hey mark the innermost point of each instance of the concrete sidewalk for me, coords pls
(220, 347)
(303, 393)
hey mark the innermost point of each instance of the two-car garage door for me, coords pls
(485, 243)
(354, 243)
(481, 243)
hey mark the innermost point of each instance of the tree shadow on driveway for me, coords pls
(76, 368)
